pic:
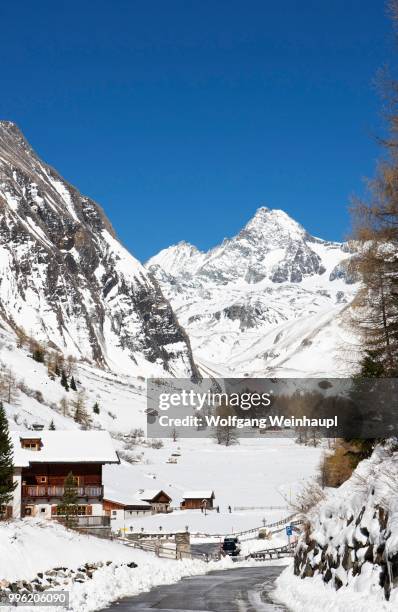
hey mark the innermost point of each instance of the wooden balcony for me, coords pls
(51, 491)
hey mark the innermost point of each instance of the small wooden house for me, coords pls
(195, 500)
(158, 499)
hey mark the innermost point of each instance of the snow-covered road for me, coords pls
(242, 589)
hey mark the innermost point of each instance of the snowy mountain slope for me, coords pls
(66, 279)
(38, 397)
(267, 302)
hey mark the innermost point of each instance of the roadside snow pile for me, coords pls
(313, 595)
(114, 582)
(347, 557)
(95, 572)
(30, 546)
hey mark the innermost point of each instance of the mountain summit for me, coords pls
(68, 281)
(271, 245)
(260, 298)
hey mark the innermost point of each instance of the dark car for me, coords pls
(231, 546)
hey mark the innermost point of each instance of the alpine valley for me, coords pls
(83, 325)
(270, 301)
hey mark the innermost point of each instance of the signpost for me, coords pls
(289, 532)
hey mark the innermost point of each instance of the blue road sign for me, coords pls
(289, 530)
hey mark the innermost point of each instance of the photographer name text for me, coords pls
(234, 421)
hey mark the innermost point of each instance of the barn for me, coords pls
(126, 507)
(195, 500)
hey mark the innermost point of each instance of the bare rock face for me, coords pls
(68, 281)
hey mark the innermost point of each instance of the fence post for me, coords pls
(183, 543)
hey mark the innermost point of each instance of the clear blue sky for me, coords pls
(181, 117)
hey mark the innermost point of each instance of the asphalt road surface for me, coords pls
(245, 589)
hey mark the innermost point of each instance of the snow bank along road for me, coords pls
(245, 589)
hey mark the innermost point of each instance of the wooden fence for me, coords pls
(238, 508)
(288, 520)
(273, 553)
(169, 550)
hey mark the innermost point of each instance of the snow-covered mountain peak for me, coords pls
(177, 258)
(271, 245)
(274, 224)
(260, 298)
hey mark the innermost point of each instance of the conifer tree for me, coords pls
(7, 485)
(73, 384)
(68, 506)
(8, 386)
(80, 412)
(38, 354)
(64, 381)
(375, 309)
(376, 231)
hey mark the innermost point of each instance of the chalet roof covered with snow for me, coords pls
(150, 494)
(125, 498)
(205, 494)
(71, 446)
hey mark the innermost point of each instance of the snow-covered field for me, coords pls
(255, 473)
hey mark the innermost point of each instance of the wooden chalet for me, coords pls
(42, 461)
(158, 499)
